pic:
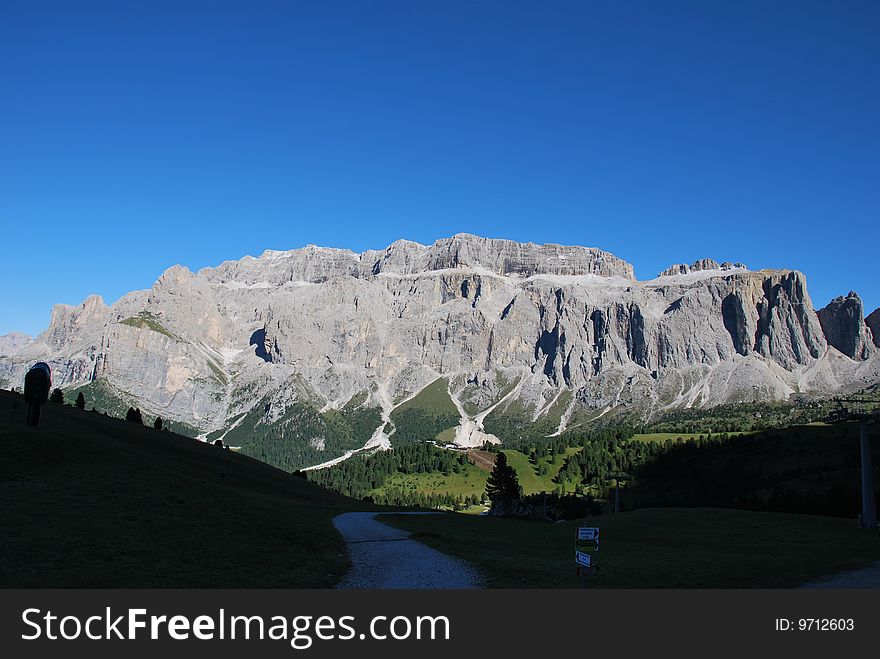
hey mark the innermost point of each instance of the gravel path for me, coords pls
(385, 557)
(867, 577)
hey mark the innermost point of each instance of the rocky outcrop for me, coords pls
(13, 342)
(843, 323)
(700, 266)
(312, 264)
(787, 328)
(70, 324)
(500, 257)
(872, 320)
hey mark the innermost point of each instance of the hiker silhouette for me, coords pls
(37, 383)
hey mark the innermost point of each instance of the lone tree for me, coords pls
(157, 424)
(57, 396)
(80, 401)
(134, 415)
(502, 487)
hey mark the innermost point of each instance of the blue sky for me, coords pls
(136, 135)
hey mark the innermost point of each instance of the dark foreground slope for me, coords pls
(813, 469)
(91, 501)
(654, 548)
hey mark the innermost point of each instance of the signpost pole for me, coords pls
(865, 412)
(869, 507)
(586, 541)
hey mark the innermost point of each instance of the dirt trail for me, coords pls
(482, 460)
(867, 577)
(385, 557)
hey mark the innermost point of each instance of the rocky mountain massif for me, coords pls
(301, 356)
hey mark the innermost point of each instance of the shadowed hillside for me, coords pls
(811, 469)
(92, 501)
(654, 548)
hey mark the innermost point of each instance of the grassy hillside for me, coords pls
(741, 417)
(534, 479)
(426, 475)
(513, 424)
(426, 416)
(91, 501)
(103, 397)
(471, 482)
(660, 548)
(672, 436)
(146, 320)
(301, 434)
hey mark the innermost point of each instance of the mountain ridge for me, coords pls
(306, 348)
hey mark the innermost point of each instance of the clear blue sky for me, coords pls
(136, 135)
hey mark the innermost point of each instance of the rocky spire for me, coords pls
(843, 323)
(873, 322)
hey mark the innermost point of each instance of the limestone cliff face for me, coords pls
(69, 324)
(843, 322)
(314, 264)
(873, 323)
(700, 266)
(500, 257)
(556, 334)
(13, 342)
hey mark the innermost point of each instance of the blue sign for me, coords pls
(583, 559)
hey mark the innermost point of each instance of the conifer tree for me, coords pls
(502, 486)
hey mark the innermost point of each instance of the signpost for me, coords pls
(586, 541)
(583, 559)
(588, 533)
(865, 412)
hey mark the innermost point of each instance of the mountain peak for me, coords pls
(13, 342)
